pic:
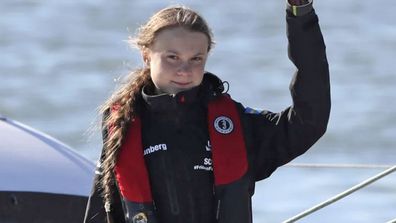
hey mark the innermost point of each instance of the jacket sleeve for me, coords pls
(299, 7)
(277, 138)
(95, 212)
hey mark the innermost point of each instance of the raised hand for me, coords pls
(298, 2)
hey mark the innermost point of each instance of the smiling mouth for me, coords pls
(181, 83)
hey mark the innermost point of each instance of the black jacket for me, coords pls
(177, 152)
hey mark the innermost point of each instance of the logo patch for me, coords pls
(207, 165)
(223, 125)
(140, 218)
(208, 147)
(153, 149)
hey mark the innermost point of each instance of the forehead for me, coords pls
(180, 39)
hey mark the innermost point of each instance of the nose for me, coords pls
(184, 69)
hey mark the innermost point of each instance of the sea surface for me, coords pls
(60, 59)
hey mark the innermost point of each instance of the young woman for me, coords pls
(179, 149)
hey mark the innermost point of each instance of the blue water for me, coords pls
(59, 61)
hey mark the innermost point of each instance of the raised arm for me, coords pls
(280, 137)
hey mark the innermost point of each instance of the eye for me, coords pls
(197, 59)
(172, 57)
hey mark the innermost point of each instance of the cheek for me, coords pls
(161, 71)
(167, 66)
(201, 76)
(162, 66)
(198, 74)
(199, 69)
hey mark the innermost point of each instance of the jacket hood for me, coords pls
(213, 84)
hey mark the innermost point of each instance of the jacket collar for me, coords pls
(160, 102)
(210, 87)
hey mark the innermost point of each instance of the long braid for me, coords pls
(125, 101)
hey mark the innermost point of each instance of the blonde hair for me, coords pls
(126, 98)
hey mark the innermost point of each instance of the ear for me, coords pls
(146, 56)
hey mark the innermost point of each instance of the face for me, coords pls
(177, 59)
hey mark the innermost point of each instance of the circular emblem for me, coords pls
(139, 218)
(223, 125)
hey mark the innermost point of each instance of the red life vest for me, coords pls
(228, 152)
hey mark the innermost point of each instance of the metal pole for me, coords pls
(340, 165)
(392, 221)
(341, 195)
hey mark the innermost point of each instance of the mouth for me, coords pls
(183, 84)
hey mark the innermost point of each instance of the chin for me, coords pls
(175, 91)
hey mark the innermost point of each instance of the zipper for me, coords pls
(218, 210)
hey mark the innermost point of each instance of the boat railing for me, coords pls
(389, 169)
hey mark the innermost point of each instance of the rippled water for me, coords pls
(59, 59)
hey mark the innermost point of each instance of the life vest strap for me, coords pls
(227, 140)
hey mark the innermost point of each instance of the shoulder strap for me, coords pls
(227, 140)
(130, 170)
